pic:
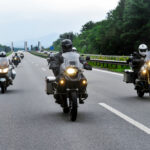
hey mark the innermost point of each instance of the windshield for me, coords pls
(4, 62)
(147, 56)
(71, 59)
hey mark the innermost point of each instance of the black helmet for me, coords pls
(16, 54)
(66, 45)
(2, 54)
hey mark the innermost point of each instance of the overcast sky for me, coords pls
(32, 19)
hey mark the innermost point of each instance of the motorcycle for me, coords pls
(7, 74)
(16, 60)
(69, 88)
(21, 55)
(50, 58)
(142, 83)
(48, 61)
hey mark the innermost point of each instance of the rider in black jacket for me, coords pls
(137, 59)
(58, 59)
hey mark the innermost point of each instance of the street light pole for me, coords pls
(12, 46)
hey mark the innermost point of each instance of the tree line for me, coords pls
(124, 28)
(5, 48)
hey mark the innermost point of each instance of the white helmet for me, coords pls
(143, 49)
(74, 49)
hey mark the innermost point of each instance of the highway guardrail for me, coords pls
(113, 65)
(118, 66)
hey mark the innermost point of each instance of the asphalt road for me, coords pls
(30, 119)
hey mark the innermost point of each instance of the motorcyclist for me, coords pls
(21, 55)
(137, 59)
(50, 57)
(66, 46)
(57, 60)
(18, 58)
(5, 62)
(74, 49)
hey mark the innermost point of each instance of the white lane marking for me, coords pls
(109, 72)
(43, 69)
(125, 117)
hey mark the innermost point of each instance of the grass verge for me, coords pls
(9, 53)
(110, 67)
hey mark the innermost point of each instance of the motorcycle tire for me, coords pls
(3, 89)
(65, 106)
(66, 110)
(140, 93)
(73, 106)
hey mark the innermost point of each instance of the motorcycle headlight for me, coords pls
(62, 82)
(84, 82)
(71, 71)
(4, 70)
(148, 64)
(144, 71)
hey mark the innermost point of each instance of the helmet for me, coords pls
(2, 54)
(143, 49)
(16, 54)
(66, 45)
(74, 49)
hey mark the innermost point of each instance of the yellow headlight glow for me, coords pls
(149, 64)
(71, 71)
(144, 71)
(62, 81)
(84, 82)
(4, 70)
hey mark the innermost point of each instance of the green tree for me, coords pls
(125, 27)
(136, 28)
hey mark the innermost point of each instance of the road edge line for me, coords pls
(126, 118)
(109, 72)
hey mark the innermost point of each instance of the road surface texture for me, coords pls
(112, 118)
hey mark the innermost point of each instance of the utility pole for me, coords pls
(31, 47)
(39, 45)
(25, 46)
(12, 46)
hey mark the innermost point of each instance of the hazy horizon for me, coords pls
(33, 20)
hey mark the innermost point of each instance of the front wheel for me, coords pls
(65, 105)
(3, 89)
(73, 106)
(140, 93)
(66, 110)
